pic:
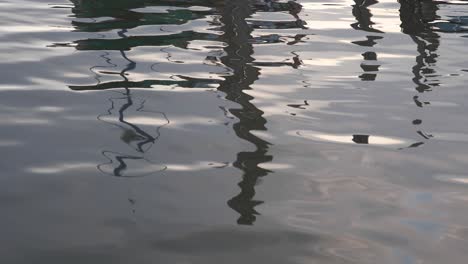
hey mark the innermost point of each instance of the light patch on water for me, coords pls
(335, 61)
(263, 135)
(166, 9)
(31, 29)
(463, 179)
(24, 121)
(51, 109)
(275, 166)
(314, 6)
(175, 122)
(62, 168)
(320, 25)
(10, 143)
(455, 137)
(202, 165)
(349, 139)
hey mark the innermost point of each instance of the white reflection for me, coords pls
(275, 166)
(23, 121)
(202, 165)
(61, 168)
(349, 139)
(452, 178)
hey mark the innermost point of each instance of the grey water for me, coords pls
(233, 131)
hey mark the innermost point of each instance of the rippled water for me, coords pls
(240, 131)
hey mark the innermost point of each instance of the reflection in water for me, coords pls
(369, 42)
(134, 136)
(363, 15)
(239, 51)
(361, 139)
(236, 22)
(236, 27)
(416, 18)
(119, 164)
(225, 93)
(364, 22)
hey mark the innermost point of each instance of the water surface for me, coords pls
(241, 131)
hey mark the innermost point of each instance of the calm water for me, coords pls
(233, 131)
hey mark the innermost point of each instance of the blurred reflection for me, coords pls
(122, 17)
(239, 51)
(132, 163)
(363, 15)
(416, 17)
(134, 136)
(364, 22)
(369, 66)
(237, 36)
(236, 26)
(361, 139)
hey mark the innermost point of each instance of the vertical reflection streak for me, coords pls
(237, 35)
(415, 19)
(363, 16)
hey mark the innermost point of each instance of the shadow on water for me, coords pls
(236, 34)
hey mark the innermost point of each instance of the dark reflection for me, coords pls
(369, 66)
(239, 50)
(134, 163)
(299, 106)
(369, 42)
(416, 18)
(364, 22)
(236, 25)
(237, 35)
(363, 15)
(123, 16)
(361, 139)
(133, 135)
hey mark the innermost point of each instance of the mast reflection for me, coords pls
(416, 18)
(238, 51)
(237, 36)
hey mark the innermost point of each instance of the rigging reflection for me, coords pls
(133, 135)
(233, 19)
(132, 163)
